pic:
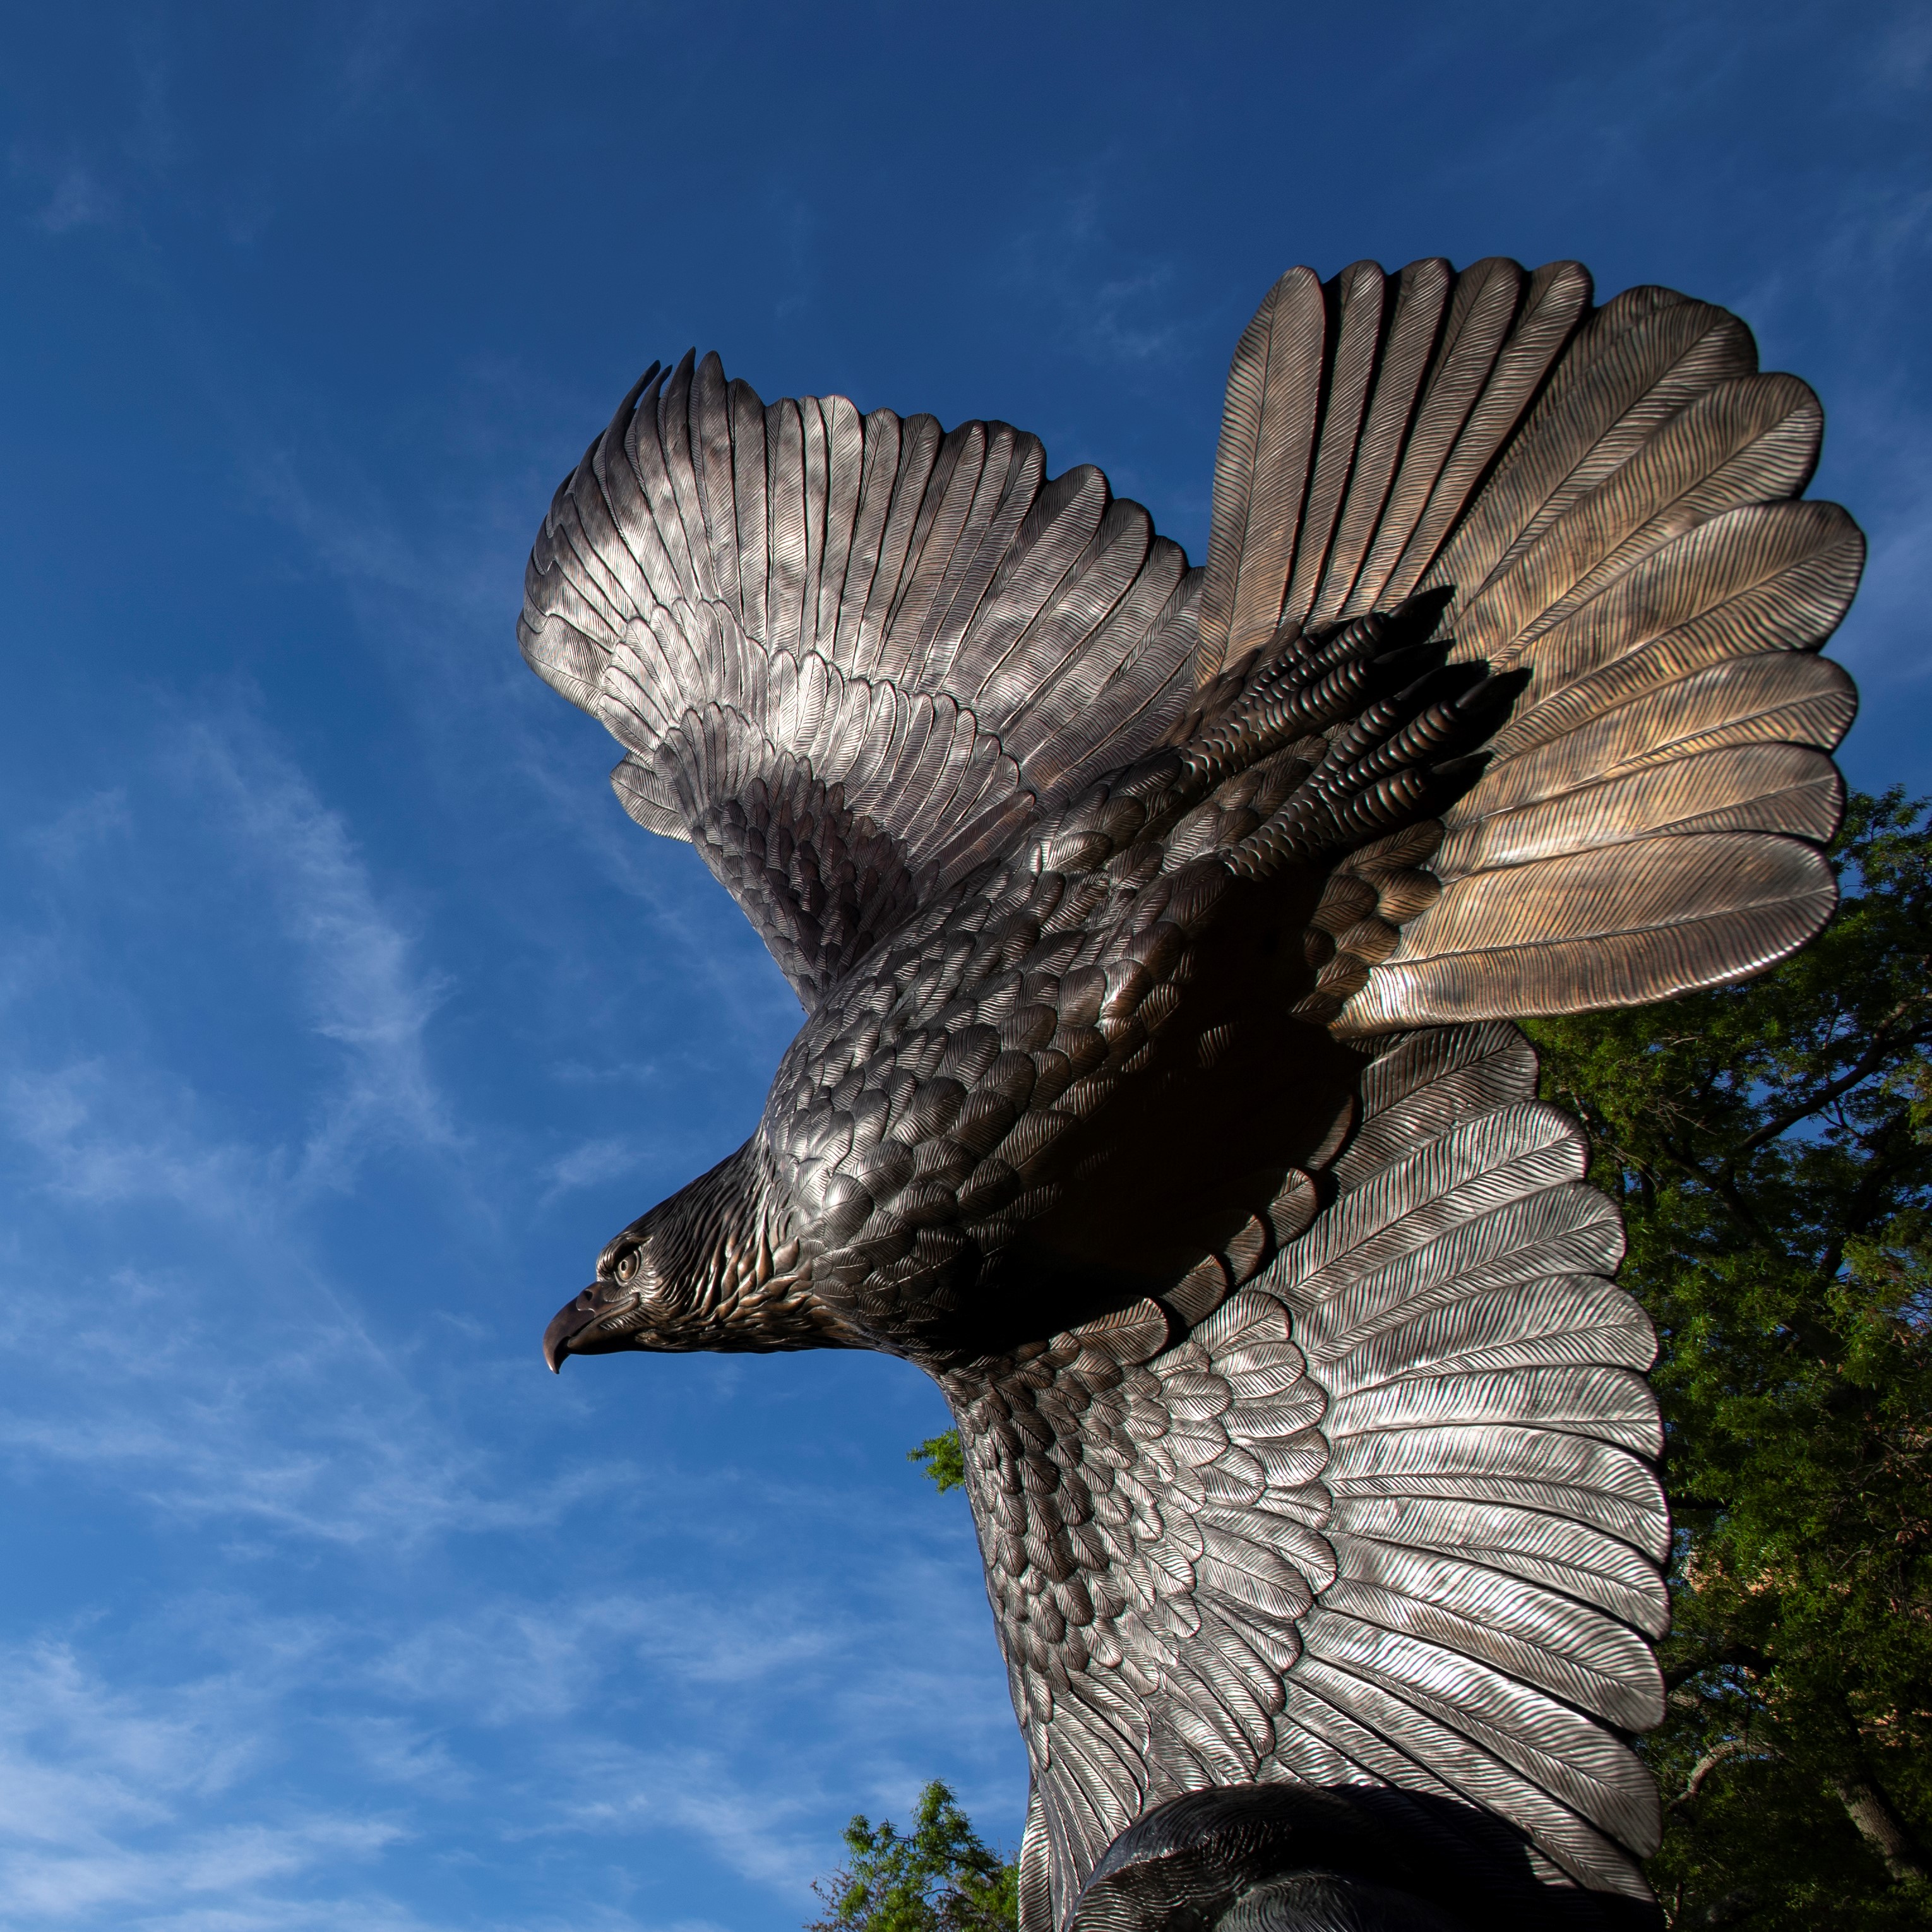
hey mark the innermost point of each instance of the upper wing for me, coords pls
(1608, 494)
(1386, 1516)
(847, 656)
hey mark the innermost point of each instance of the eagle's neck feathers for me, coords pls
(722, 1246)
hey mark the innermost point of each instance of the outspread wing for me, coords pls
(1608, 494)
(848, 655)
(1388, 1516)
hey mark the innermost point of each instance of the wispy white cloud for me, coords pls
(107, 1133)
(77, 199)
(768, 1832)
(358, 967)
(516, 1659)
(589, 1164)
(112, 1128)
(76, 830)
(1119, 302)
(602, 1686)
(629, 1721)
(242, 1394)
(247, 1388)
(104, 1798)
(266, 1409)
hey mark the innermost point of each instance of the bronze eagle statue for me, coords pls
(1158, 930)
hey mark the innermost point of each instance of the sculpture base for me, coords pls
(1284, 1857)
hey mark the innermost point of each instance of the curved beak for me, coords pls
(572, 1328)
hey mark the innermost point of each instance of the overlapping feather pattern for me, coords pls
(1386, 1516)
(848, 657)
(1608, 495)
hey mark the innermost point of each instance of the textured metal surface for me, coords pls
(1158, 930)
(1273, 1858)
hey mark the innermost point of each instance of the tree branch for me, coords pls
(1881, 1827)
(1715, 1755)
(1884, 1044)
(1742, 1654)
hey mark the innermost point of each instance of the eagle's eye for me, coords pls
(627, 1263)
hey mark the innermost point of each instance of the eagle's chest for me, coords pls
(1017, 1117)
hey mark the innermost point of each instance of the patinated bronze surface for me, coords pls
(1158, 930)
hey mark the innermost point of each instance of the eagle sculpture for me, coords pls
(1158, 930)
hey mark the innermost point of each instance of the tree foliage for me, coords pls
(938, 1877)
(943, 1460)
(1770, 1145)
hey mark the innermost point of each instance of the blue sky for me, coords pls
(346, 1016)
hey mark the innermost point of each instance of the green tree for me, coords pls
(943, 1460)
(939, 1876)
(1769, 1145)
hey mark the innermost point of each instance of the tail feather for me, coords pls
(1416, 308)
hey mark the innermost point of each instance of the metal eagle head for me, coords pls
(685, 1276)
